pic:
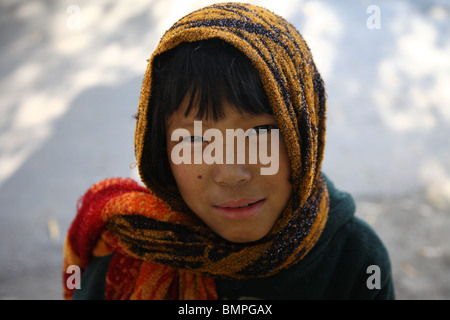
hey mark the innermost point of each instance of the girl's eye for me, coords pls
(264, 128)
(193, 139)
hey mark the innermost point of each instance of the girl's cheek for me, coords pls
(188, 175)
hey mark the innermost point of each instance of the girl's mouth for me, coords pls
(240, 209)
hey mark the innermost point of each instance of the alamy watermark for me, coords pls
(374, 280)
(73, 21)
(374, 20)
(257, 141)
(74, 280)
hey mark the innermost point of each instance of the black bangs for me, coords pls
(209, 73)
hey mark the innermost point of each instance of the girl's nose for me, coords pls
(231, 175)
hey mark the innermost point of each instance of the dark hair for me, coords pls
(210, 72)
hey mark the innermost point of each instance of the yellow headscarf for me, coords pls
(295, 91)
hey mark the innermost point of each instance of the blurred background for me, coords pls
(70, 76)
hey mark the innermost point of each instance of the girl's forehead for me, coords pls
(233, 118)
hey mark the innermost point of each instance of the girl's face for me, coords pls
(234, 200)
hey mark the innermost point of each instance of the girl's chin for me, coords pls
(242, 237)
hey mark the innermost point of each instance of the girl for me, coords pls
(222, 229)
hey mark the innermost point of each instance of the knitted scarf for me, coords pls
(161, 252)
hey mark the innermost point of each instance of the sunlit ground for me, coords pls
(69, 86)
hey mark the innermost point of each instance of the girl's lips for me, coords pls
(241, 209)
(237, 203)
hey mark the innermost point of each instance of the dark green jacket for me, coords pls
(348, 262)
